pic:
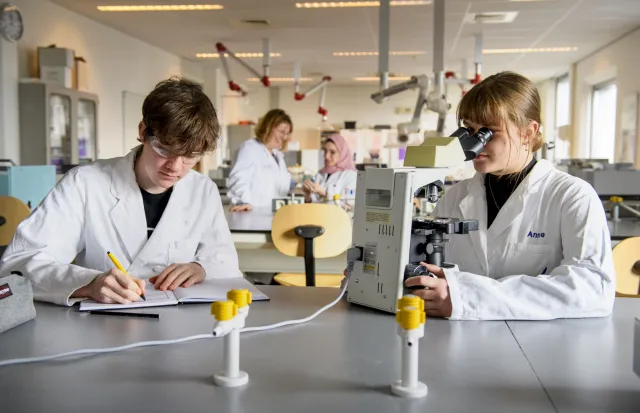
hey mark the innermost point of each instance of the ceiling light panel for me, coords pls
(376, 78)
(359, 54)
(530, 50)
(162, 7)
(280, 79)
(346, 4)
(241, 55)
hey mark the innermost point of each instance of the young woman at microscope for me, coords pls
(543, 248)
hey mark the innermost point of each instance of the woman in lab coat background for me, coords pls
(337, 177)
(259, 173)
(162, 220)
(543, 248)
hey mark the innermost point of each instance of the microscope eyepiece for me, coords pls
(472, 143)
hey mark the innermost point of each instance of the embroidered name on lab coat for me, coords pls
(535, 235)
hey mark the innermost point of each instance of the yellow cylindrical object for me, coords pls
(411, 301)
(242, 297)
(224, 310)
(616, 199)
(410, 318)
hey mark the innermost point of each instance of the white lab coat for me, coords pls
(256, 177)
(97, 208)
(337, 183)
(547, 254)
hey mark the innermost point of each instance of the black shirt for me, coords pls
(154, 205)
(499, 189)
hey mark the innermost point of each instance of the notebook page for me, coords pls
(211, 290)
(155, 298)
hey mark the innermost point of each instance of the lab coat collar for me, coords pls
(128, 215)
(474, 206)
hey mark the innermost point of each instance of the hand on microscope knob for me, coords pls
(437, 301)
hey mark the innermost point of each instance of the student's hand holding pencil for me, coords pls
(113, 286)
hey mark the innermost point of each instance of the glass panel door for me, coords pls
(86, 131)
(603, 121)
(60, 131)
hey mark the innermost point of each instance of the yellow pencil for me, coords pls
(118, 266)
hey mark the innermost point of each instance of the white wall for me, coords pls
(619, 61)
(116, 62)
(9, 125)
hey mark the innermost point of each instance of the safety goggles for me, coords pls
(163, 153)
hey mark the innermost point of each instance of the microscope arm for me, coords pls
(421, 82)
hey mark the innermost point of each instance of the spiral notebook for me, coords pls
(207, 291)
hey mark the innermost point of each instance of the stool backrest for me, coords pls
(334, 220)
(12, 212)
(625, 256)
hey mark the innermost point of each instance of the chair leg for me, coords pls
(309, 262)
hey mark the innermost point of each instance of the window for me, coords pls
(562, 118)
(603, 121)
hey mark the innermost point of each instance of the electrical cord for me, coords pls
(174, 341)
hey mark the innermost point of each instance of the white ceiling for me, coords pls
(310, 36)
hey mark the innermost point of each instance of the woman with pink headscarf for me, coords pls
(337, 177)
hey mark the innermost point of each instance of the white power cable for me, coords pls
(174, 341)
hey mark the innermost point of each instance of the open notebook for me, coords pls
(206, 292)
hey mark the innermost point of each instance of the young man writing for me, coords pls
(163, 221)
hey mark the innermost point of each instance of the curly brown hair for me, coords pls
(181, 117)
(270, 121)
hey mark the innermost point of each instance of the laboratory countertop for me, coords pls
(345, 360)
(258, 220)
(585, 365)
(626, 228)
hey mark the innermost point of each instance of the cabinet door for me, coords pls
(59, 131)
(87, 142)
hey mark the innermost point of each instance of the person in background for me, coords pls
(543, 248)
(259, 173)
(161, 219)
(337, 177)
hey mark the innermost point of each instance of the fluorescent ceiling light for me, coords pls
(245, 55)
(376, 78)
(530, 50)
(343, 4)
(357, 54)
(280, 79)
(163, 7)
(526, 1)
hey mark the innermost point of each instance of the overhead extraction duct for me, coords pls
(383, 43)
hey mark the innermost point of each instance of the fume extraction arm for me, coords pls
(322, 86)
(431, 94)
(224, 52)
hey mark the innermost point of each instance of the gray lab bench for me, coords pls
(344, 360)
(585, 365)
(257, 221)
(626, 228)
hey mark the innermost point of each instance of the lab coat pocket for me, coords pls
(529, 259)
(182, 251)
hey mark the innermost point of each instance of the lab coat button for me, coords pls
(157, 268)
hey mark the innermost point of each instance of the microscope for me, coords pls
(389, 243)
